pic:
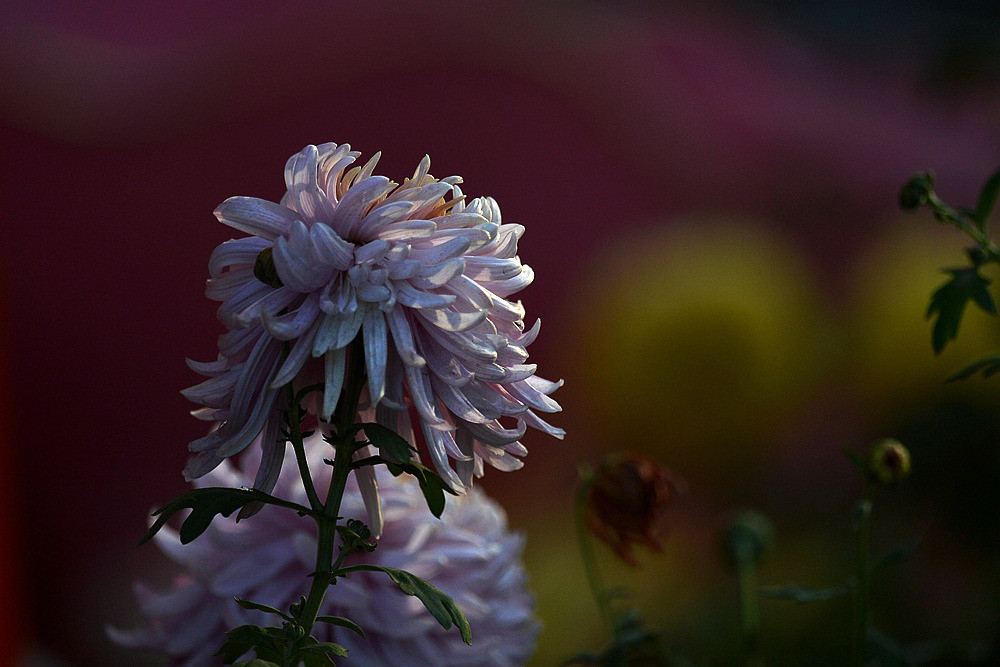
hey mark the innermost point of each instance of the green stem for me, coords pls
(295, 433)
(862, 593)
(590, 558)
(948, 214)
(344, 417)
(748, 604)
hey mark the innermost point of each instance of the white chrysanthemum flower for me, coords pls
(424, 277)
(468, 553)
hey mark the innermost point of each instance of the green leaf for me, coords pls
(325, 648)
(987, 199)
(431, 484)
(390, 444)
(440, 605)
(342, 622)
(257, 606)
(802, 595)
(205, 504)
(949, 300)
(241, 640)
(315, 659)
(257, 662)
(989, 365)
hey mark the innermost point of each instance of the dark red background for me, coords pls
(123, 129)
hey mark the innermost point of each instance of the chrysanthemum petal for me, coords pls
(256, 216)
(340, 253)
(296, 357)
(532, 396)
(534, 421)
(436, 448)
(402, 336)
(272, 447)
(381, 216)
(420, 393)
(294, 324)
(294, 264)
(354, 204)
(409, 296)
(457, 403)
(491, 433)
(234, 252)
(441, 250)
(368, 488)
(229, 284)
(376, 346)
(436, 275)
(451, 320)
(215, 392)
(333, 380)
(301, 179)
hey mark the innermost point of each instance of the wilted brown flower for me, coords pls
(627, 503)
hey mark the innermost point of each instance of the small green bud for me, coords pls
(264, 271)
(916, 191)
(888, 463)
(747, 536)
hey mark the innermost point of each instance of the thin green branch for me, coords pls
(295, 436)
(601, 597)
(862, 574)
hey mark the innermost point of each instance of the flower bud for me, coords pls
(916, 191)
(264, 271)
(747, 536)
(888, 462)
(627, 503)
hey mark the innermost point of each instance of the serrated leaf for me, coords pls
(205, 504)
(390, 444)
(802, 595)
(989, 365)
(257, 606)
(949, 300)
(987, 199)
(241, 640)
(325, 648)
(439, 604)
(431, 484)
(316, 659)
(342, 622)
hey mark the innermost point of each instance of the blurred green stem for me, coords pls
(588, 554)
(862, 591)
(748, 605)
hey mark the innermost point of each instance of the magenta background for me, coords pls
(123, 129)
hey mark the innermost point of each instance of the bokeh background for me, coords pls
(724, 280)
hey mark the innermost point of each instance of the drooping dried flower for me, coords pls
(469, 554)
(628, 499)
